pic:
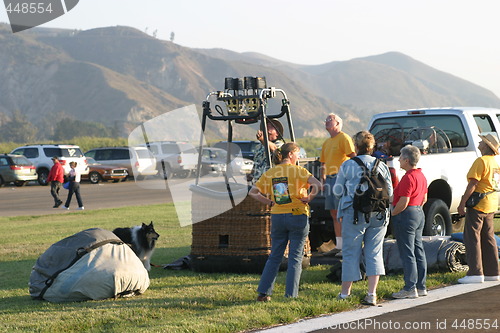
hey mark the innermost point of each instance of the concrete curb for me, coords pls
(308, 325)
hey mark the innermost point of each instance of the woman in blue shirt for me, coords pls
(362, 237)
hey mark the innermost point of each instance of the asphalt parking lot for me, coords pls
(33, 199)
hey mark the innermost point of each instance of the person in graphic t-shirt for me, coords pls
(284, 187)
(479, 231)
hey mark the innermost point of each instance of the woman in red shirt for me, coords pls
(408, 221)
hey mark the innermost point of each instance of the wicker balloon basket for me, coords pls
(238, 240)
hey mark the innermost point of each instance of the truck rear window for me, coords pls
(395, 130)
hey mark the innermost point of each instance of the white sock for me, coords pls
(371, 294)
(338, 243)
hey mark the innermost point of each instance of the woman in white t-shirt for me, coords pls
(74, 187)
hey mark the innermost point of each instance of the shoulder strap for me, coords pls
(360, 163)
(80, 252)
(375, 166)
(365, 172)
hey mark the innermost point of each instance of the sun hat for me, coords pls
(492, 141)
(276, 124)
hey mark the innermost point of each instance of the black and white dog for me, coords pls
(142, 240)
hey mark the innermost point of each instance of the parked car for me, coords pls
(41, 157)
(174, 158)
(138, 161)
(214, 160)
(247, 148)
(16, 169)
(302, 153)
(100, 172)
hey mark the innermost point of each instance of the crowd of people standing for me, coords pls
(284, 186)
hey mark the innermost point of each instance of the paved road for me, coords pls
(33, 199)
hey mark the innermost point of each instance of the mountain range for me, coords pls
(121, 77)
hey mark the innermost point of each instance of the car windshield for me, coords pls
(396, 130)
(247, 146)
(214, 154)
(21, 161)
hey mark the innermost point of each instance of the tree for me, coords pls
(18, 129)
(172, 36)
(67, 129)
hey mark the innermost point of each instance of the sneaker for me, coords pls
(471, 279)
(492, 278)
(342, 297)
(332, 253)
(263, 298)
(370, 300)
(405, 294)
(421, 292)
(64, 207)
(80, 208)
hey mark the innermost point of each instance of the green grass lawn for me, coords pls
(176, 301)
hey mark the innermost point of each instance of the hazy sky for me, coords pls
(456, 36)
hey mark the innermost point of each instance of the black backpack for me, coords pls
(372, 193)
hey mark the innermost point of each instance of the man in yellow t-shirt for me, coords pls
(335, 150)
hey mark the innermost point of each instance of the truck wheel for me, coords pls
(43, 174)
(437, 218)
(186, 174)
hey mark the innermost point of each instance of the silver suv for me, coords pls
(174, 158)
(41, 157)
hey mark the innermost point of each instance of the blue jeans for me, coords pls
(408, 226)
(284, 228)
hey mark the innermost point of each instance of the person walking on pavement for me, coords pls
(74, 187)
(364, 237)
(284, 187)
(56, 178)
(408, 222)
(335, 150)
(479, 233)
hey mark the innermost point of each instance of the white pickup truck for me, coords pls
(448, 139)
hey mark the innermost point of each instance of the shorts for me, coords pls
(331, 201)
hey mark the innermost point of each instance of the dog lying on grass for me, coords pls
(142, 240)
